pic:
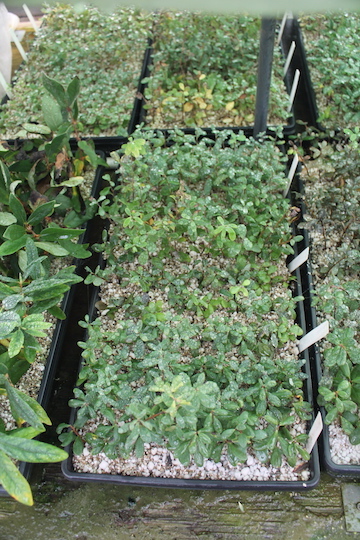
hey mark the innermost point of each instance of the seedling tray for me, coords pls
(272, 485)
(327, 463)
(58, 338)
(335, 469)
(288, 129)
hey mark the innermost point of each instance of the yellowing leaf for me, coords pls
(188, 106)
(201, 76)
(181, 86)
(229, 106)
(200, 102)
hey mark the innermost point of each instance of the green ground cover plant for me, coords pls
(192, 346)
(204, 72)
(332, 199)
(41, 213)
(104, 50)
(333, 55)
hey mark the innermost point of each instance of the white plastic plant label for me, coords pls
(291, 174)
(289, 57)
(299, 260)
(313, 336)
(31, 18)
(294, 88)
(19, 47)
(314, 432)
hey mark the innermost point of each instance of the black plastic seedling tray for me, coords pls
(273, 485)
(60, 333)
(335, 469)
(288, 129)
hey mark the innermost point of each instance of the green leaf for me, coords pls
(335, 356)
(236, 454)
(12, 246)
(331, 415)
(76, 250)
(72, 182)
(78, 446)
(52, 112)
(10, 302)
(9, 320)
(275, 459)
(56, 90)
(17, 209)
(90, 153)
(57, 312)
(53, 249)
(35, 325)
(41, 212)
(7, 219)
(51, 234)
(37, 128)
(72, 91)
(355, 436)
(31, 451)
(5, 178)
(13, 481)
(16, 343)
(13, 232)
(22, 407)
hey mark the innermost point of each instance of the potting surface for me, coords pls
(65, 511)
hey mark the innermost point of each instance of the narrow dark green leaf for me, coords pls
(17, 209)
(55, 89)
(41, 212)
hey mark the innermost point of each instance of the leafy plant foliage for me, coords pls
(334, 217)
(204, 72)
(192, 352)
(41, 213)
(104, 50)
(333, 54)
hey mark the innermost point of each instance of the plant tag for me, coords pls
(5, 85)
(313, 336)
(282, 26)
(18, 44)
(294, 88)
(292, 171)
(299, 260)
(31, 18)
(314, 432)
(289, 57)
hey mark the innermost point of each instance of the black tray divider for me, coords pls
(137, 112)
(266, 53)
